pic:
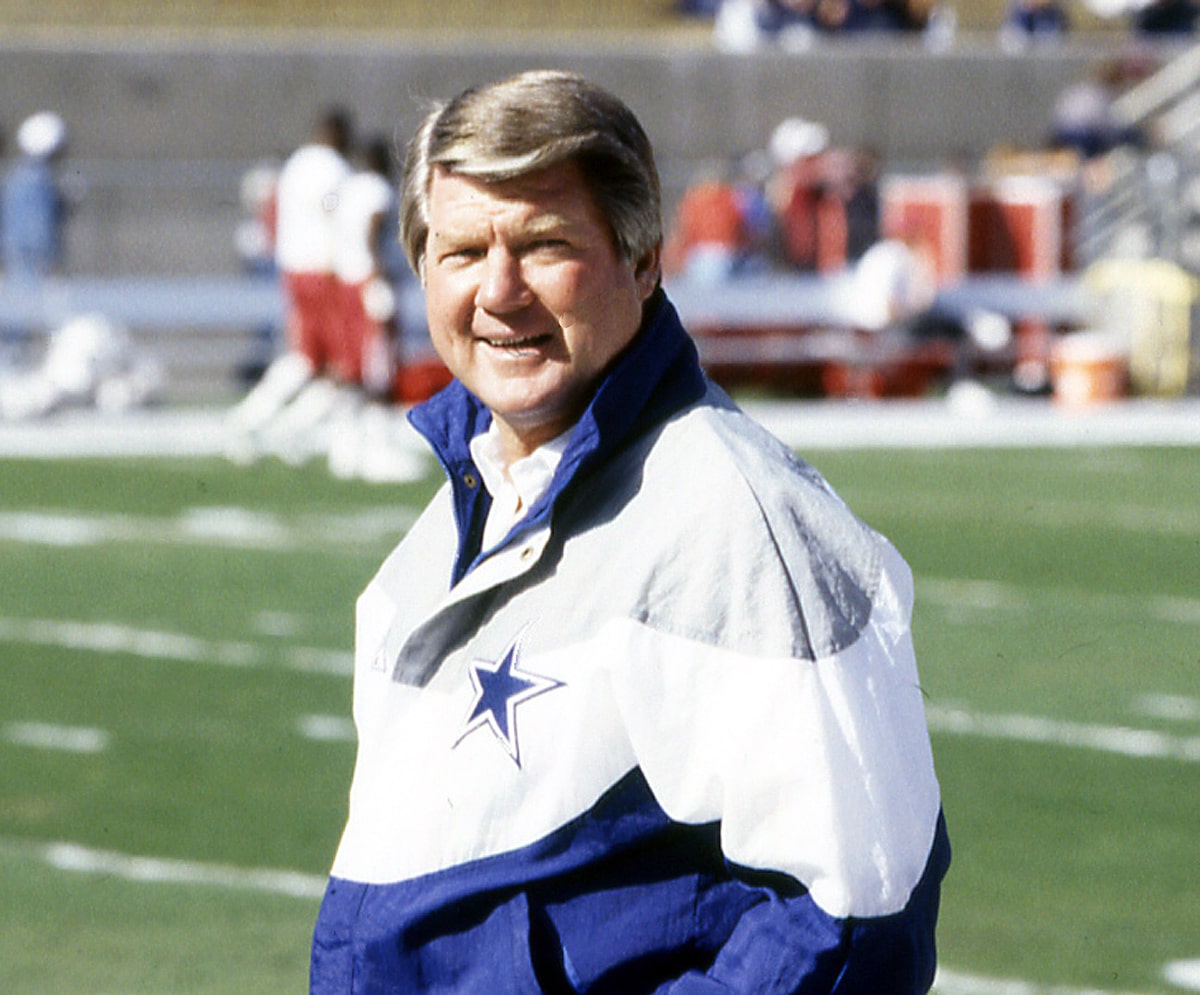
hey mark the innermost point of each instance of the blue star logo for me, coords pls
(501, 686)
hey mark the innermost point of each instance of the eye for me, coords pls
(462, 254)
(551, 245)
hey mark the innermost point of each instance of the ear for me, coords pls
(647, 272)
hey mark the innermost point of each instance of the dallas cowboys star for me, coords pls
(500, 687)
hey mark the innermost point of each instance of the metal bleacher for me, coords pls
(1151, 203)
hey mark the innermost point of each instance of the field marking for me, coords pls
(980, 595)
(1121, 740)
(1115, 515)
(1185, 610)
(224, 526)
(996, 596)
(1127, 516)
(89, 740)
(1172, 707)
(110, 637)
(48, 736)
(78, 859)
(1183, 974)
(950, 982)
(327, 728)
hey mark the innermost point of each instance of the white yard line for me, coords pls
(995, 596)
(160, 870)
(1057, 732)
(949, 982)
(231, 527)
(90, 740)
(109, 637)
(1172, 707)
(1184, 974)
(48, 736)
(327, 728)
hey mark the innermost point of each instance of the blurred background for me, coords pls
(1009, 146)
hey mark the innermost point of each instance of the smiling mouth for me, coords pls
(518, 345)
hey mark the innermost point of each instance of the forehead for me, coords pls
(555, 192)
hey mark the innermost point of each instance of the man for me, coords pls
(33, 214)
(364, 219)
(33, 209)
(297, 391)
(368, 264)
(636, 699)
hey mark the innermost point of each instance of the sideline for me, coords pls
(1006, 423)
(917, 424)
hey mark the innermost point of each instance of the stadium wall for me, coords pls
(164, 126)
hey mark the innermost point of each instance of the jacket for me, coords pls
(667, 736)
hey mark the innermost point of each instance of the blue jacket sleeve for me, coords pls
(788, 946)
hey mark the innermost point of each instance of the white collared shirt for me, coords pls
(514, 487)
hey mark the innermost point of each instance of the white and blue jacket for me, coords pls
(666, 737)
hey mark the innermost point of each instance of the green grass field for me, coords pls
(175, 643)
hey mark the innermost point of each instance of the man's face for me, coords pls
(527, 298)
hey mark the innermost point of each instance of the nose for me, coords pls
(503, 287)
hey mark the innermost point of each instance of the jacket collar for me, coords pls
(657, 375)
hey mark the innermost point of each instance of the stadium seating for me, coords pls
(444, 15)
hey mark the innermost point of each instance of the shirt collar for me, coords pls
(529, 476)
(657, 376)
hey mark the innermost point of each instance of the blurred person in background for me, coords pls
(721, 224)
(636, 697)
(877, 16)
(370, 267)
(1082, 117)
(1172, 18)
(90, 363)
(893, 297)
(794, 190)
(254, 242)
(365, 227)
(33, 216)
(33, 208)
(1028, 22)
(296, 393)
(744, 25)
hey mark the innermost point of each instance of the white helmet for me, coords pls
(42, 135)
(796, 138)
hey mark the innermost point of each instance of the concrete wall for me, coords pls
(163, 129)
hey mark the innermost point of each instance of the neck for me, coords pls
(517, 442)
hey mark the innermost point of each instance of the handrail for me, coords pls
(1174, 80)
